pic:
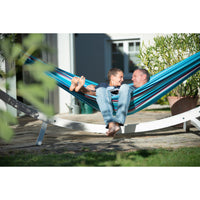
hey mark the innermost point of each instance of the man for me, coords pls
(104, 93)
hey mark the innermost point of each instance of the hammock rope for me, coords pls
(159, 84)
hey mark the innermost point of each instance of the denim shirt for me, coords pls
(112, 89)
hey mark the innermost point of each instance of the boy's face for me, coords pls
(117, 79)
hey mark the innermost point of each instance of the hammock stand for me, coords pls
(189, 117)
(159, 85)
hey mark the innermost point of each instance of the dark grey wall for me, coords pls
(90, 56)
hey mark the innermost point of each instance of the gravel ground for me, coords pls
(62, 140)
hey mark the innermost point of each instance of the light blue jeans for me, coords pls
(104, 100)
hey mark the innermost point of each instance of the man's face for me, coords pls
(138, 78)
(117, 79)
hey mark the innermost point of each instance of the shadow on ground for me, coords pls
(62, 140)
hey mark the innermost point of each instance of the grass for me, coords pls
(154, 157)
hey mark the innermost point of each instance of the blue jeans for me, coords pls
(104, 100)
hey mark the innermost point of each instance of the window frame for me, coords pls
(108, 54)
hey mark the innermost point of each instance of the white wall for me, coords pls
(65, 62)
(2, 84)
(12, 91)
(146, 37)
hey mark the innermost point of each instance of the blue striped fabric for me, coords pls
(159, 85)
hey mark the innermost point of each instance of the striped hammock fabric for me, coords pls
(159, 85)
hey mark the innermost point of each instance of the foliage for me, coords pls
(168, 50)
(188, 156)
(5, 131)
(15, 54)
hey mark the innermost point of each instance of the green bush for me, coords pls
(168, 50)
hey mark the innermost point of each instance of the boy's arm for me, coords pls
(90, 89)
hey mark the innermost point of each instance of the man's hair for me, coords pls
(144, 71)
(113, 71)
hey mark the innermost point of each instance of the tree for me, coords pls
(16, 53)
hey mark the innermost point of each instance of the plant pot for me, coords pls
(86, 109)
(181, 104)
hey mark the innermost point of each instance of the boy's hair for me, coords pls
(113, 71)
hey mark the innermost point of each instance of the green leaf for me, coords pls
(6, 119)
(35, 40)
(16, 50)
(38, 71)
(35, 94)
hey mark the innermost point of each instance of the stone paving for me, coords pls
(61, 140)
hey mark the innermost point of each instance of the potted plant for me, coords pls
(166, 51)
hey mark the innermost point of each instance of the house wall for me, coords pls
(66, 61)
(11, 81)
(145, 37)
(52, 58)
(92, 52)
(2, 84)
(82, 54)
(90, 57)
(61, 47)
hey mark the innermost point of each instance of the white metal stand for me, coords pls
(185, 118)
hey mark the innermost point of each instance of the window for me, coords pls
(118, 55)
(124, 55)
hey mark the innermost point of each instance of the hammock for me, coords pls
(159, 85)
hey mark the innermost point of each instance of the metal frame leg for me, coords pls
(186, 126)
(41, 134)
(195, 122)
